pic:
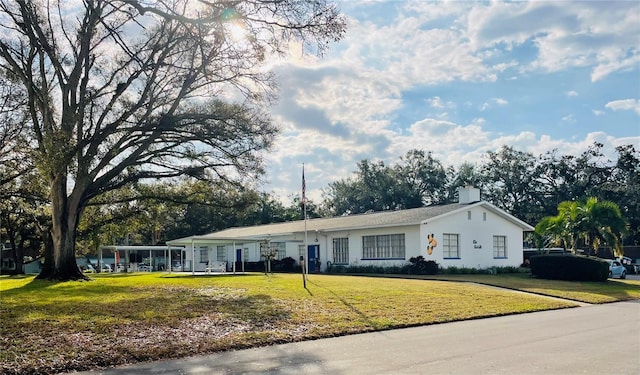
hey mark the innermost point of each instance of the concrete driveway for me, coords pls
(595, 339)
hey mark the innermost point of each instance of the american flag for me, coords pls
(304, 186)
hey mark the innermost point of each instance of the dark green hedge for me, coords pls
(569, 267)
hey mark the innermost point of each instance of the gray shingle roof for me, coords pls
(413, 216)
(375, 219)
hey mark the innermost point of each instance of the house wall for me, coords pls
(475, 238)
(479, 228)
(411, 238)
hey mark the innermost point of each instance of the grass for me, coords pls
(582, 291)
(124, 318)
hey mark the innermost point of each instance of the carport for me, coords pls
(157, 255)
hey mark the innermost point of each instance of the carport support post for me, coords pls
(168, 264)
(193, 258)
(235, 257)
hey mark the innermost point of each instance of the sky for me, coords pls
(457, 79)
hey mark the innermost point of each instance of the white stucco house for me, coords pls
(471, 233)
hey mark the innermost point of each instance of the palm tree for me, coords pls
(595, 222)
(550, 231)
(601, 223)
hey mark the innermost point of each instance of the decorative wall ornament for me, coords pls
(432, 243)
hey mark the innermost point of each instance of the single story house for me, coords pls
(470, 233)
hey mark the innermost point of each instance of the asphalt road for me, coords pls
(595, 339)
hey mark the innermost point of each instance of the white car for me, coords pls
(616, 269)
(145, 268)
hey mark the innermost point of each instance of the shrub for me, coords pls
(421, 266)
(287, 264)
(370, 269)
(569, 267)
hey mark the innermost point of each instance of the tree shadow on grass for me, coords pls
(114, 325)
(350, 306)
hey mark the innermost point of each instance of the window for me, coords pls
(301, 252)
(341, 251)
(204, 254)
(386, 246)
(220, 253)
(450, 245)
(499, 246)
(279, 249)
(468, 215)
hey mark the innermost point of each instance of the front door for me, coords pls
(314, 255)
(238, 255)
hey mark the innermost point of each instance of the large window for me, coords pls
(386, 246)
(279, 249)
(499, 246)
(341, 251)
(450, 245)
(204, 254)
(220, 253)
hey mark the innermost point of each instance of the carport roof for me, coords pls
(413, 216)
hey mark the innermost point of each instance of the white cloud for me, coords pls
(600, 35)
(624, 105)
(500, 101)
(409, 80)
(489, 104)
(436, 102)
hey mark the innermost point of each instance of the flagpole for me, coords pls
(306, 240)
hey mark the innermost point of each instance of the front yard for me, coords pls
(52, 327)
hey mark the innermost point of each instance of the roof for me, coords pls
(414, 216)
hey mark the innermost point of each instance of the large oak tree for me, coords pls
(132, 90)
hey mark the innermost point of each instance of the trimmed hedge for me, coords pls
(569, 267)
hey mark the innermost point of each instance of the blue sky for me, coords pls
(457, 79)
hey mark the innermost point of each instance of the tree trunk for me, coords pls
(60, 264)
(17, 256)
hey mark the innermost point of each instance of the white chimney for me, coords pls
(468, 194)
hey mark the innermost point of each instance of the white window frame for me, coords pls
(221, 253)
(204, 254)
(451, 245)
(341, 250)
(279, 247)
(383, 246)
(500, 247)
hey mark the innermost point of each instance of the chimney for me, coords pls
(468, 194)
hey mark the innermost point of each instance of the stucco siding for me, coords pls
(475, 229)
(411, 241)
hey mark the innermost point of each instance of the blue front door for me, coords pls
(238, 255)
(314, 255)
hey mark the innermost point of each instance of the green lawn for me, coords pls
(584, 291)
(49, 327)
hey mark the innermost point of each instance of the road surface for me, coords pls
(595, 339)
